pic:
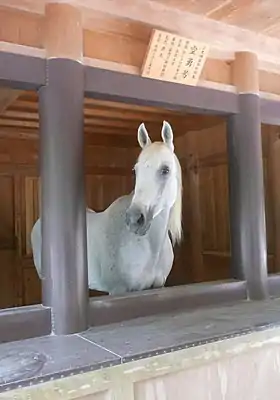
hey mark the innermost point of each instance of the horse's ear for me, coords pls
(143, 136)
(167, 135)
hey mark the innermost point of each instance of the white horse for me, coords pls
(130, 243)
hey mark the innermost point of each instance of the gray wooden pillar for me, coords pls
(63, 212)
(64, 258)
(246, 186)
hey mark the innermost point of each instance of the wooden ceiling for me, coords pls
(257, 15)
(262, 16)
(105, 123)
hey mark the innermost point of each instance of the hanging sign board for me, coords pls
(174, 58)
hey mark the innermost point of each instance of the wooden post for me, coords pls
(246, 186)
(64, 254)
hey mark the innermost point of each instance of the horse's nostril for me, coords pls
(141, 220)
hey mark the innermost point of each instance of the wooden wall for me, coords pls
(205, 251)
(108, 175)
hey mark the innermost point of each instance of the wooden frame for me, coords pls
(25, 72)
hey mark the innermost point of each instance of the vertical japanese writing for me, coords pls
(168, 47)
(174, 58)
(152, 59)
(183, 54)
(159, 37)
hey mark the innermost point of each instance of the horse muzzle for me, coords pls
(138, 220)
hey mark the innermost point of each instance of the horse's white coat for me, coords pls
(119, 258)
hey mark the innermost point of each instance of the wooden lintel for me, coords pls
(25, 72)
(92, 138)
(119, 42)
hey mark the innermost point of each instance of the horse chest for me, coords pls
(137, 264)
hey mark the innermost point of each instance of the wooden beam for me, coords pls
(32, 97)
(92, 112)
(91, 138)
(29, 72)
(110, 105)
(21, 71)
(136, 20)
(118, 120)
(115, 86)
(217, 75)
(20, 124)
(23, 170)
(29, 120)
(224, 38)
(130, 28)
(7, 97)
(15, 156)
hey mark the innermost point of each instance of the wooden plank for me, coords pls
(275, 187)
(207, 209)
(174, 58)
(198, 7)
(7, 97)
(262, 14)
(269, 200)
(217, 265)
(221, 204)
(93, 114)
(18, 229)
(7, 237)
(131, 29)
(7, 279)
(31, 209)
(194, 217)
(32, 287)
(21, 27)
(228, 38)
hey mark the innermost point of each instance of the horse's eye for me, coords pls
(165, 170)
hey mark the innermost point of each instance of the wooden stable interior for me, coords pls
(117, 39)
(111, 148)
(144, 345)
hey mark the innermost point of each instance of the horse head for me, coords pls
(158, 183)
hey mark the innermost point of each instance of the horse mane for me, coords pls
(175, 216)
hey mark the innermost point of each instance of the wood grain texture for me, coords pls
(209, 146)
(204, 253)
(63, 31)
(245, 74)
(120, 37)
